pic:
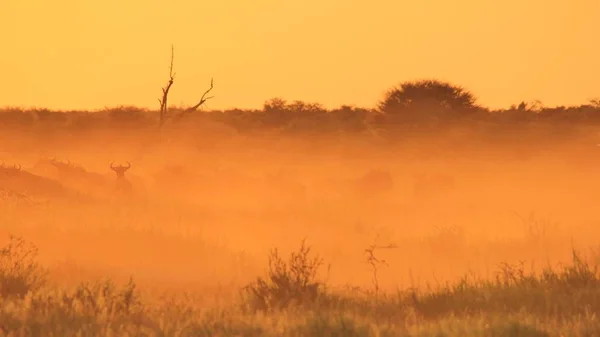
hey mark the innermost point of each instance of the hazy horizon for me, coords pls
(71, 55)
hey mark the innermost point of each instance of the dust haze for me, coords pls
(202, 204)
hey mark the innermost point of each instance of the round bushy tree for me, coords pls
(427, 97)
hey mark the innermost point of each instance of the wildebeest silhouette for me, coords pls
(122, 184)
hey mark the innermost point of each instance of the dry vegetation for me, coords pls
(428, 216)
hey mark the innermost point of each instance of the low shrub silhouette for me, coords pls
(19, 271)
(291, 282)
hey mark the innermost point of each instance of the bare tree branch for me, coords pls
(163, 102)
(165, 90)
(203, 99)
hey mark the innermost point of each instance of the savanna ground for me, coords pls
(485, 229)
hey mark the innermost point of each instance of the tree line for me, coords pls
(415, 105)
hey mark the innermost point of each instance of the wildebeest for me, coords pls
(56, 169)
(73, 175)
(122, 185)
(18, 180)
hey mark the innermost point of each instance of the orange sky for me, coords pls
(76, 54)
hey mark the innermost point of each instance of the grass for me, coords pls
(290, 300)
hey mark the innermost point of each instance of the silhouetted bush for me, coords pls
(291, 282)
(51, 117)
(427, 100)
(129, 116)
(11, 117)
(19, 271)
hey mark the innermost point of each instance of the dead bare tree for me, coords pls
(165, 90)
(163, 101)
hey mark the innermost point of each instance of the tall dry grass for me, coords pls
(290, 301)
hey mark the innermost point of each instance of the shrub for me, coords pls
(291, 282)
(19, 272)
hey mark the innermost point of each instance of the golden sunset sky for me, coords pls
(89, 54)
